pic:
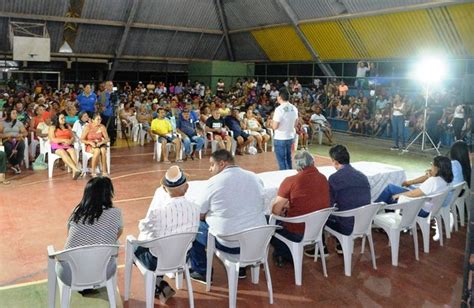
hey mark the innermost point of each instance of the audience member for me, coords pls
(243, 139)
(398, 122)
(348, 189)
(161, 221)
(215, 124)
(87, 100)
(95, 137)
(300, 194)
(320, 120)
(162, 127)
(3, 168)
(94, 221)
(232, 201)
(13, 134)
(255, 128)
(284, 121)
(189, 133)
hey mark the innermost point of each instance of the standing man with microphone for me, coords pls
(283, 124)
(107, 101)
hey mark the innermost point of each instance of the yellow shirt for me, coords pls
(161, 126)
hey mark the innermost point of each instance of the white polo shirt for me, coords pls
(286, 114)
(233, 201)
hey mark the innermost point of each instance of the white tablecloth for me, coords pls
(379, 175)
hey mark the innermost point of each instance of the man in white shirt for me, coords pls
(320, 122)
(167, 216)
(233, 201)
(284, 121)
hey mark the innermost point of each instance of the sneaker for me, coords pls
(242, 273)
(394, 148)
(310, 252)
(198, 277)
(339, 249)
(164, 291)
(279, 261)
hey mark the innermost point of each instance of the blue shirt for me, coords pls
(105, 101)
(187, 127)
(348, 189)
(87, 103)
(458, 177)
(233, 124)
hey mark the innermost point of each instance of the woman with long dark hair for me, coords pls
(95, 137)
(13, 134)
(460, 152)
(436, 180)
(61, 139)
(94, 221)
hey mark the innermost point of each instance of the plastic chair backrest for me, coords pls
(437, 200)
(455, 192)
(88, 263)
(409, 211)
(363, 217)
(314, 223)
(253, 242)
(170, 250)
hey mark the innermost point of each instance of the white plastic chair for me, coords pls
(253, 251)
(33, 145)
(404, 218)
(317, 130)
(314, 224)
(449, 209)
(425, 222)
(26, 153)
(363, 217)
(52, 159)
(86, 156)
(214, 142)
(88, 266)
(157, 148)
(461, 204)
(170, 252)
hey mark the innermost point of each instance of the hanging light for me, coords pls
(65, 48)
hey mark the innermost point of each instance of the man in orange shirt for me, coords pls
(343, 89)
(300, 194)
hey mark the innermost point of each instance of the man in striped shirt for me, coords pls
(174, 215)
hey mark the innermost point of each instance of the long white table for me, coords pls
(378, 174)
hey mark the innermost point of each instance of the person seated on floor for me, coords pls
(95, 137)
(13, 134)
(436, 180)
(215, 124)
(243, 139)
(163, 129)
(189, 133)
(319, 120)
(3, 168)
(348, 190)
(300, 194)
(61, 140)
(233, 201)
(94, 221)
(253, 125)
(160, 221)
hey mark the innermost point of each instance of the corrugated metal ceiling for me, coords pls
(40, 7)
(355, 6)
(104, 9)
(97, 39)
(250, 13)
(245, 47)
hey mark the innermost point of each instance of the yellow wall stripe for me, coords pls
(281, 44)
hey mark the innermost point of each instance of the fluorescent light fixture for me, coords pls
(430, 69)
(65, 48)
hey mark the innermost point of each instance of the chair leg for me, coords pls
(415, 242)
(179, 280)
(52, 283)
(372, 250)
(111, 292)
(447, 223)
(455, 217)
(362, 246)
(65, 294)
(439, 225)
(269, 281)
(233, 281)
(461, 209)
(128, 270)
(323, 258)
(297, 254)
(394, 238)
(424, 224)
(255, 272)
(189, 286)
(150, 281)
(347, 247)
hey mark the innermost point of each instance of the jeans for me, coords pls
(109, 123)
(283, 153)
(197, 253)
(15, 159)
(280, 248)
(3, 162)
(388, 192)
(398, 126)
(187, 144)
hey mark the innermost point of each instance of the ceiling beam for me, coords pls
(123, 39)
(103, 22)
(225, 29)
(214, 54)
(327, 70)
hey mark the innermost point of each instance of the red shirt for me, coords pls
(307, 191)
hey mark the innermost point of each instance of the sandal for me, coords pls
(76, 175)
